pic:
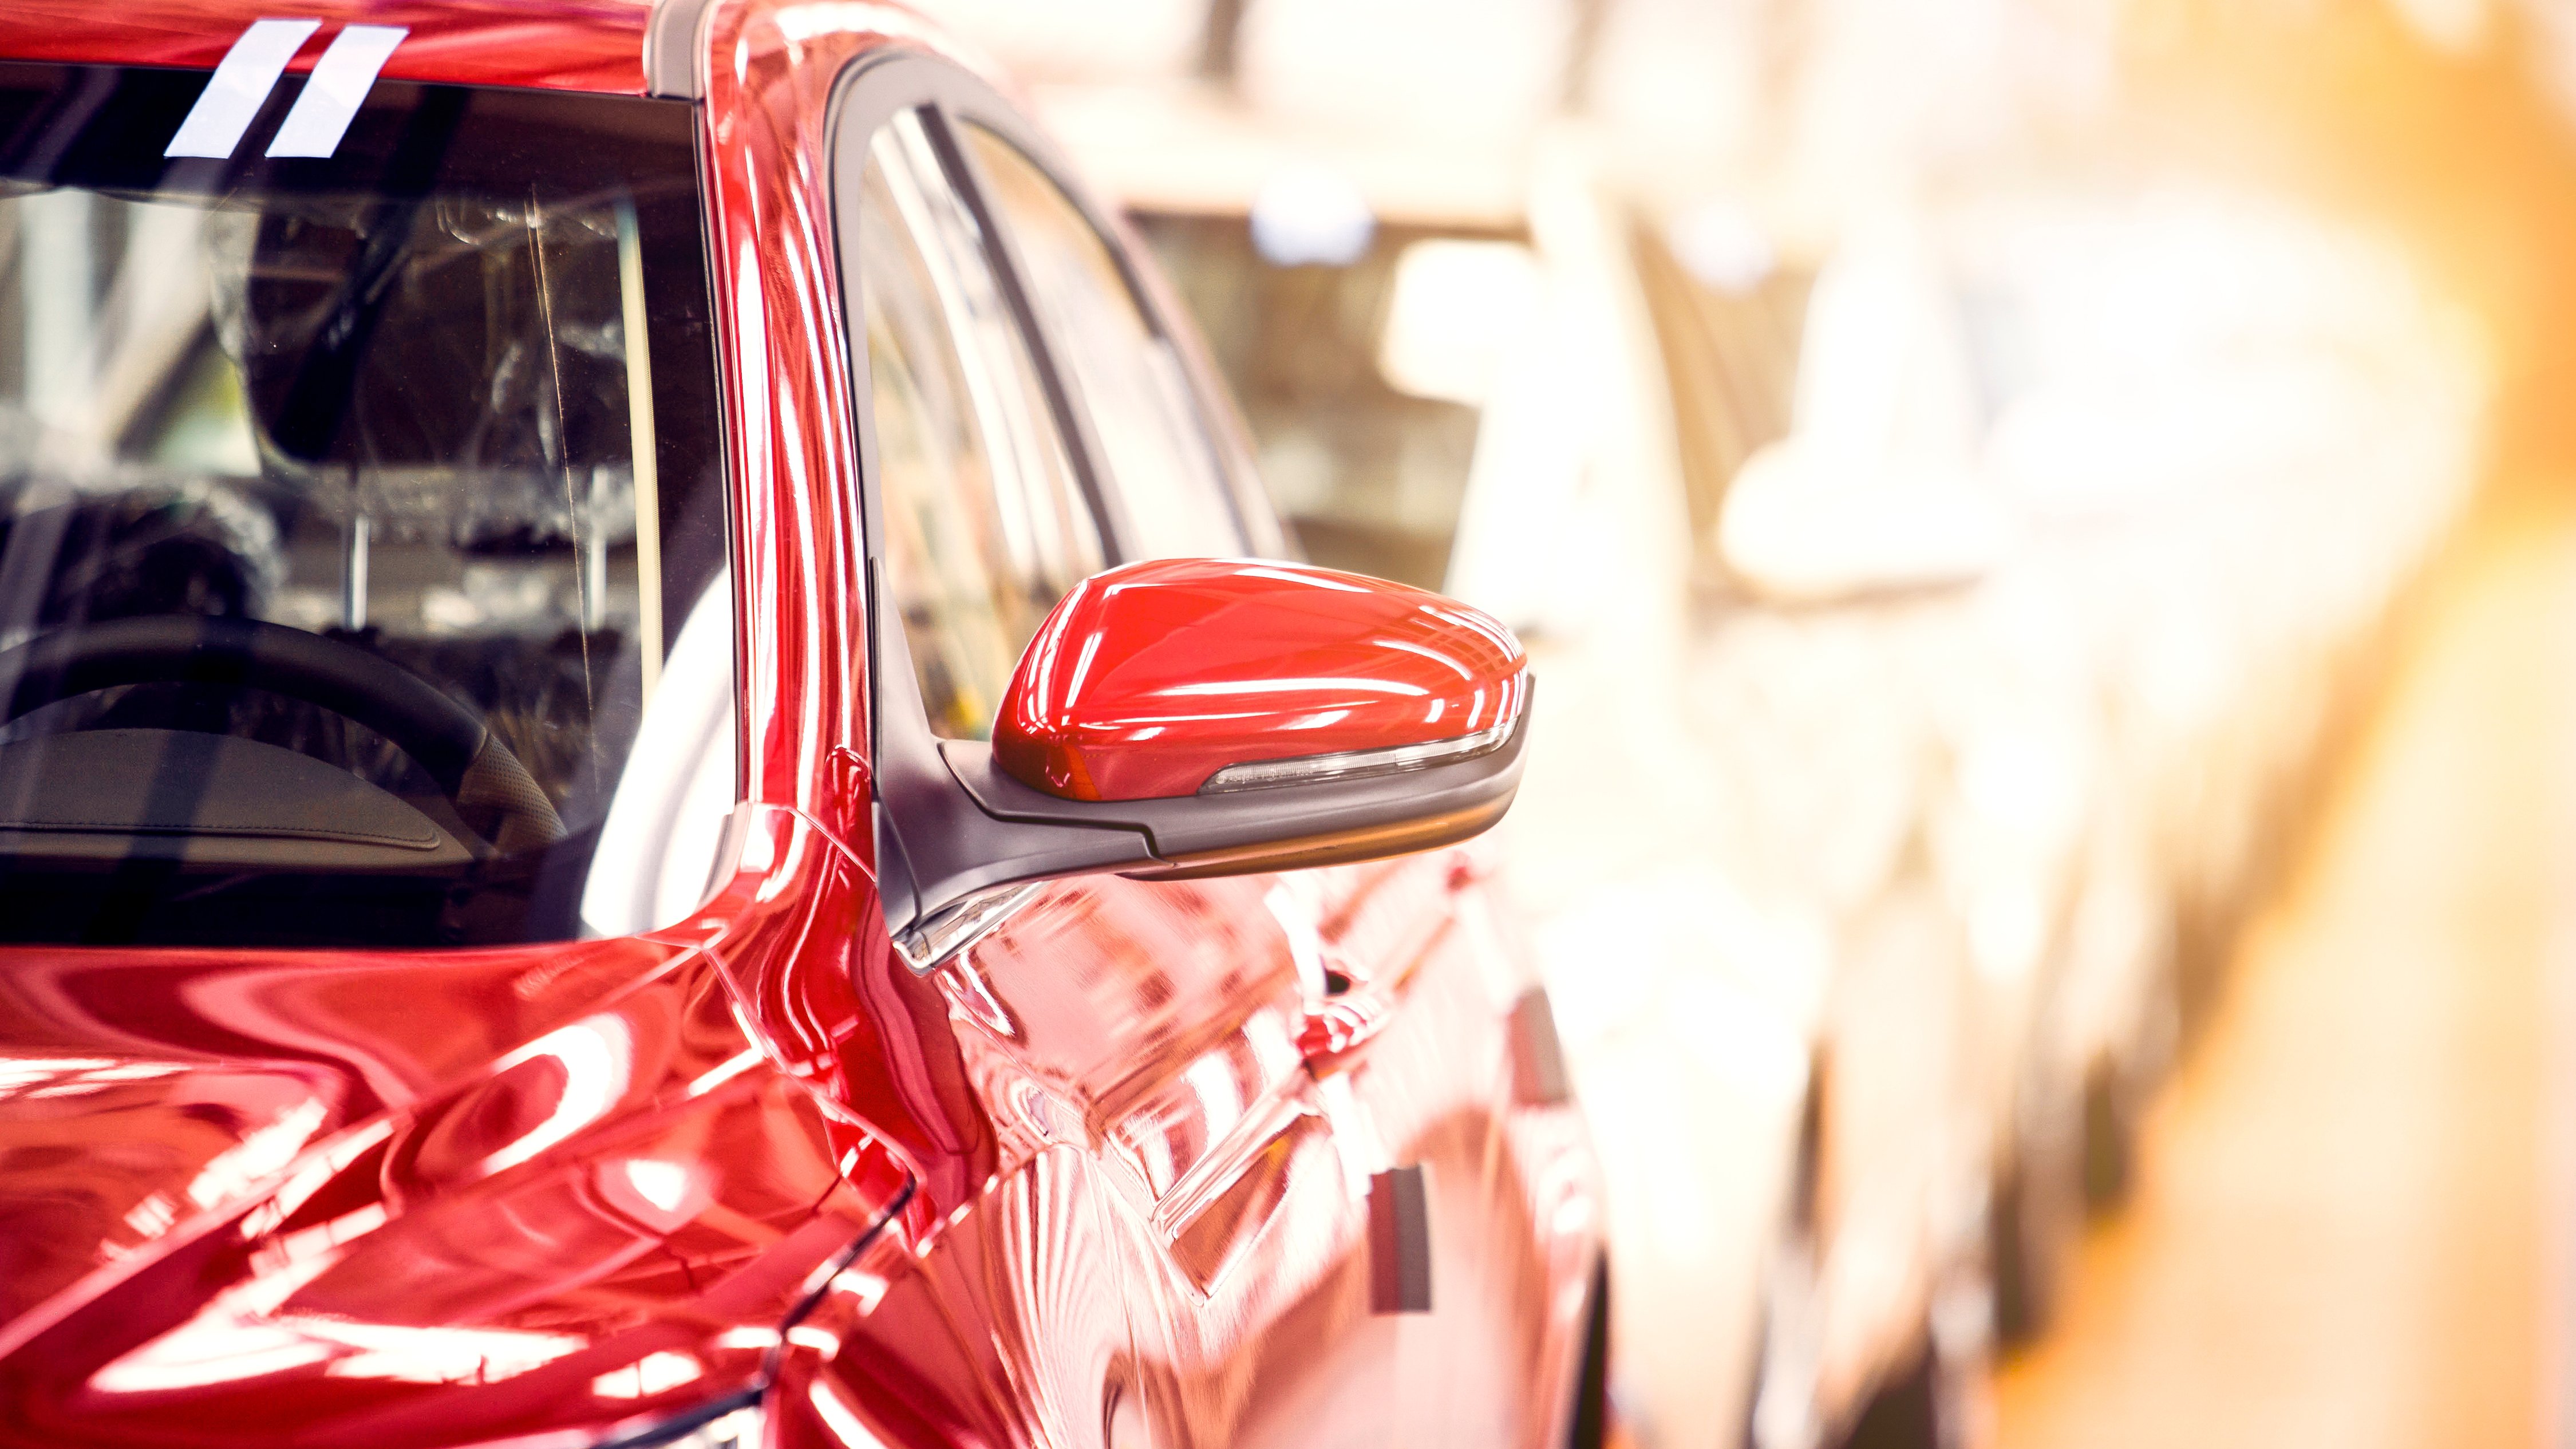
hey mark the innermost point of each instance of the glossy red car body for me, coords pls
(1105, 1177)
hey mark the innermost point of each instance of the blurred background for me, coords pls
(2048, 531)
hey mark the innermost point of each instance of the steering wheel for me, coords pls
(450, 741)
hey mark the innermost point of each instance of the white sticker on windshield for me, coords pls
(339, 85)
(239, 86)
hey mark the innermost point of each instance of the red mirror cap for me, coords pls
(1151, 678)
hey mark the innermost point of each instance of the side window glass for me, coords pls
(985, 526)
(1126, 375)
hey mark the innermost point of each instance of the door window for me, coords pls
(1124, 374)
(985, 525)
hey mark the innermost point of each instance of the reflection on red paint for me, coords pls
(587, 45)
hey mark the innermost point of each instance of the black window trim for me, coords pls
(1065, 392)
(911, 781)
(948, 827)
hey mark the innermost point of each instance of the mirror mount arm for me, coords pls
(962, 925)
(965, 838)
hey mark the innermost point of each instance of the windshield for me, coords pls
(356, 514)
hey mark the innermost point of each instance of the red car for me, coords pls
(647, 772)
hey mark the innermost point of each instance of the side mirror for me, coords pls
(1208, 677)
(1199, 717)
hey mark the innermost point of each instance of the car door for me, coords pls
(1400, 1004)
(1137, 1045)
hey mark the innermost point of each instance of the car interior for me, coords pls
(346, 531)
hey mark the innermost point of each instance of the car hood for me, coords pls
(425, 1199)
(138, 1089)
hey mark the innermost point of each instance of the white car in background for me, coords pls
(2245, 430)
(2111, 495)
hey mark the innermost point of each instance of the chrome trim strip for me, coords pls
(962, 925)
(1356, 764)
